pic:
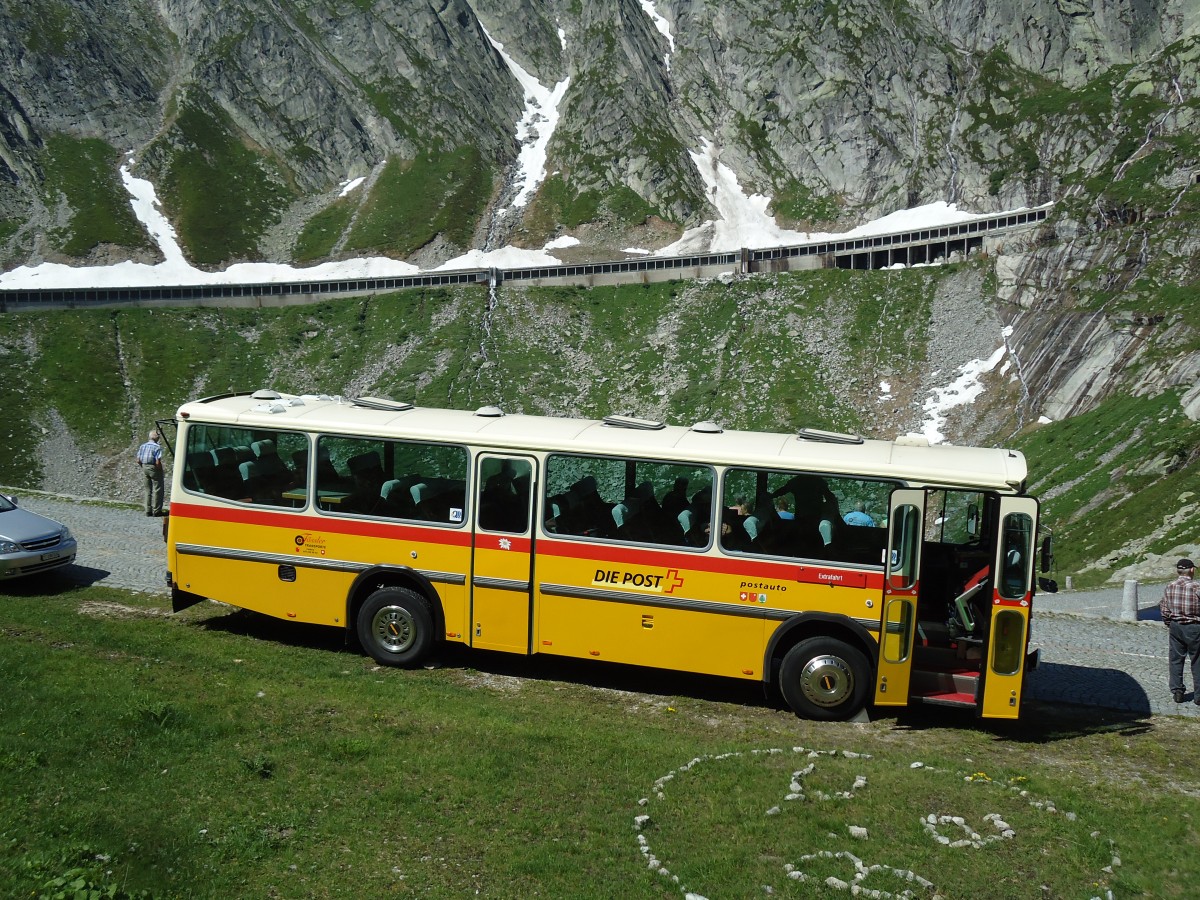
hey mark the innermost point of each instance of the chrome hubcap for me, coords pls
(394, 629)
(827, 681)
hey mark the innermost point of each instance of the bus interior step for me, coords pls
(950, 680)
(951, 698)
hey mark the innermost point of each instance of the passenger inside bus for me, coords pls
(701, 523)
(675, 500)
(816, 506)
(366, 495)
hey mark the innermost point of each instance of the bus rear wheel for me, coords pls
(395, 626)
(824, 678)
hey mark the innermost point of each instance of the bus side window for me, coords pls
(631, 500)
(800, 515)
(504, 503)
(243, 465)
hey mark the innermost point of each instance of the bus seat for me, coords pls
(963, 614)
(254, 485)
(396, 498)
(861, 544)
(668, 529)
(227, 480)
(328, 477)
(273, 470)
(198, 475)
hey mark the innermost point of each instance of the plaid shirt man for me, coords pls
(1180, 608)
(149, 453)
(1181, 600)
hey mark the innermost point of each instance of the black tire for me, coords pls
(395, 626)
(824, 678)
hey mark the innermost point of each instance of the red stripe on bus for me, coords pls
(393, 530)
(751, 568)
(791, 570)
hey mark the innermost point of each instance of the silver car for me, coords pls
(30, 543)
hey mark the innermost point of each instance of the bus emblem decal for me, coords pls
(646, 580)
(310, 544)
(751, 597)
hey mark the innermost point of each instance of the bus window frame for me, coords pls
(468, 482)
(542, 507)
(185, 444)
(734, 553)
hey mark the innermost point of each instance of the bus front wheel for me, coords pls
(395, 626)
(824, 678)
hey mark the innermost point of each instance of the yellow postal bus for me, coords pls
(838, 570)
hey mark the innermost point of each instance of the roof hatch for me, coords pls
(828, 437)
(381, 403)
(634, 422)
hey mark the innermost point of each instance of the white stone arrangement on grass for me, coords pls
(907, 883)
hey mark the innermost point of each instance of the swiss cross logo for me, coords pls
(673, 580)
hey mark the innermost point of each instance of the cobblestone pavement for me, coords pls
(1090, 654)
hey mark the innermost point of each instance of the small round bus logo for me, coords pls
(299, 540)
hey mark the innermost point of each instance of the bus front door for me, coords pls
(502, 565)
(898, 618)
(1012, 593)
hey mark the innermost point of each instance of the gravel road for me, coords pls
(1090, 655)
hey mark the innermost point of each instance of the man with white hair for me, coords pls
(1180, 608)
(149, 459)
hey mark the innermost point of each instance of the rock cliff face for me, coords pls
(847, 110)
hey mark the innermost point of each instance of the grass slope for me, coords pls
(82, 173)
(413, 201)
(221, 192)
(219, 754)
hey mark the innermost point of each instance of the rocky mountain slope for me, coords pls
(255, 121)
(254, 112)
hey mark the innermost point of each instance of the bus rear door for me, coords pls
(898, 621)
(1012, 593)
(501, 579)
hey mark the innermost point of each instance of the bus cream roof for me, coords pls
(951, 466)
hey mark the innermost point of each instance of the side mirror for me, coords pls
(12, 500)
(1047, 553)
(972, 519)
(1048, 585)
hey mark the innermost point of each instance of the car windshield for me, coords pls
(6, 504)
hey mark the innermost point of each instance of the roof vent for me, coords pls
(489, 412)
(381, 403)
(707, 428)
(266, 394)
(828, 437)
(634, 422)
(272, 407)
